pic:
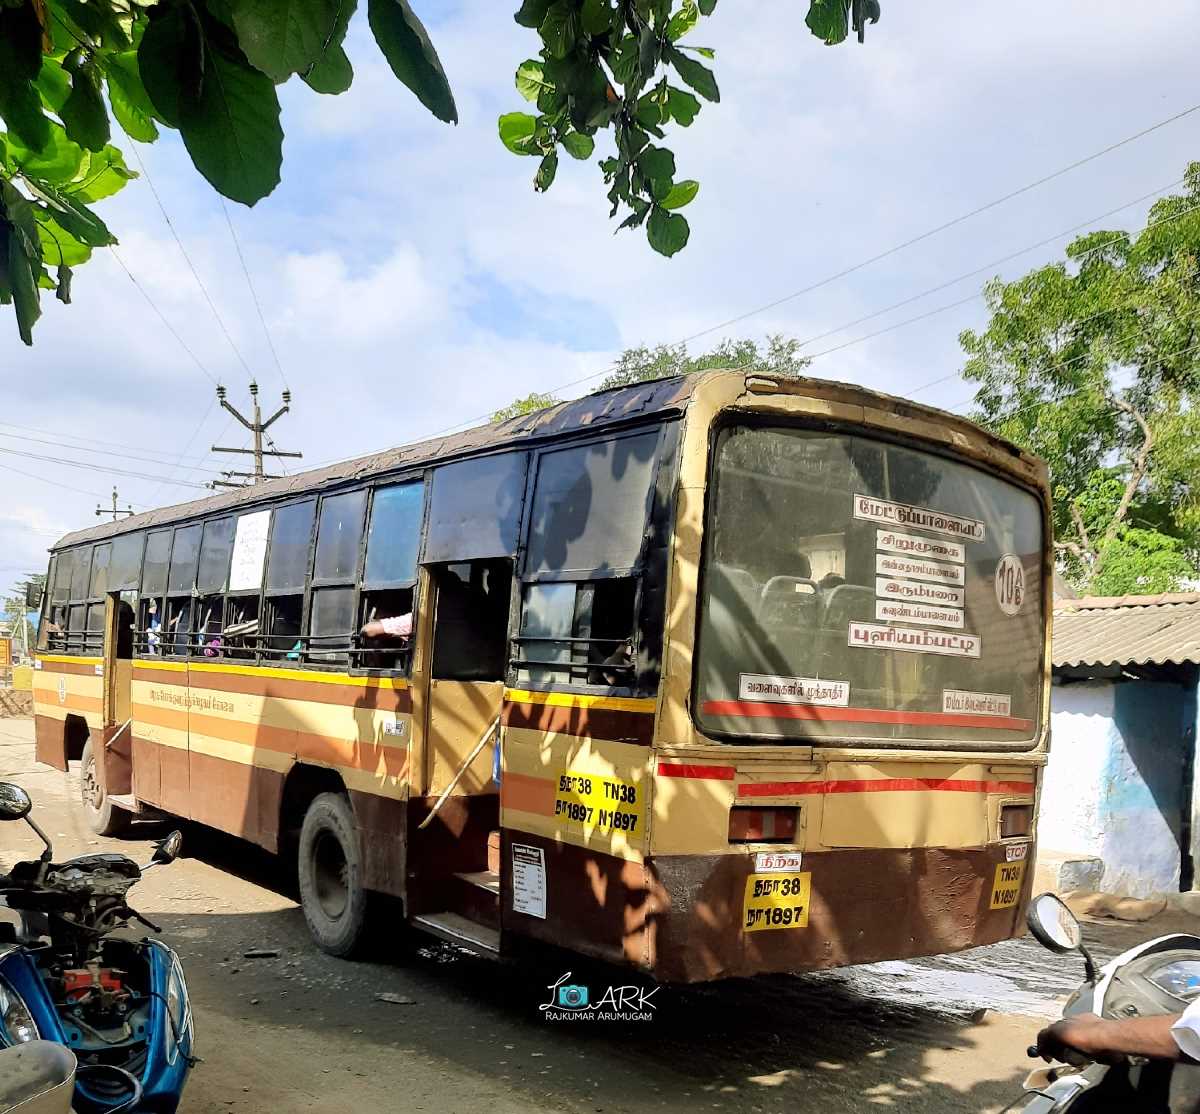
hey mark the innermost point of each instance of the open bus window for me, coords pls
(284, 615)
(239, 638)
(471, 620)
(331, 623)
(209, 626)
(53, 635)
(385, 651)
(94, 639)
(147, 633)
(177, 628)
(578, 633)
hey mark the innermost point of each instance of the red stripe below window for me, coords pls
(751, 710)
(683, 769)
(881, 785)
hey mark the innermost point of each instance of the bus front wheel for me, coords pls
(103, 817)
(330, 875)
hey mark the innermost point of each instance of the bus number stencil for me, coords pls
(776, 901)
(599, 803)
(1010, 584)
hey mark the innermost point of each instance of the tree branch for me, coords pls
(1074, 549)
(1141, 463)
(1077, 519)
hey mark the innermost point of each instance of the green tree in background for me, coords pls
(16, 608)
(642, 364)
(210, 70)
(1094, 364)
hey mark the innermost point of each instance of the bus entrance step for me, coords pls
(484, 879)
(457, 929)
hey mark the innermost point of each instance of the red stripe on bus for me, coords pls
(752, 710)
(684, 769)
(881, 785)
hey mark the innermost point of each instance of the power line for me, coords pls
(254, 296)
(103, 452)
(77, 437)
(183, 455)
(188, 260)
(93, 467)
(169, 327)
(896, 248)
(52, 483)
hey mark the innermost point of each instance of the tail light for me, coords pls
(757, 824)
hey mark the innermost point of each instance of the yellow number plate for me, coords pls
(1006, 885)
(776, 901)
(594, 802)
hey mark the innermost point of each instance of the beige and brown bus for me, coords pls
(710, 676)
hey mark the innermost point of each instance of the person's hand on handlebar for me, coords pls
(1086, 1038)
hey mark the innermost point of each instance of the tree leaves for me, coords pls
(516, 132)
(682, 106)
(332, 73)
(231, 130)
(560, 28)
(127, 95)
(285, 37)
(170, 60)
(83, 113)
(597, 16)
(578, 145)
(829, 20)
(22, 258)
(698, 76)
(406, 46)
(532, 12)
(20, 63)
(667, 232)
(531, 79)
(682, 193)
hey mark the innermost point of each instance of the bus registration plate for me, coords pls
(776, 901)
(1006, 885)
(592, 801)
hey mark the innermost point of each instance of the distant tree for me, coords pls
(527, 405)
(642, 364)
(1094, 364)
(16, 609)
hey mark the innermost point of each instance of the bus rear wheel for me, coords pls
(330, 875)
(103, 817)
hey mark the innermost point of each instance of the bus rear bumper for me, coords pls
(859, 906)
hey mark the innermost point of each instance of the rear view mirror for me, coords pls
(1053, 924)
(167, 850)
(33, 595)
(15, 803)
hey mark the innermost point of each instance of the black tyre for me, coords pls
(330, 875)
(103, 817)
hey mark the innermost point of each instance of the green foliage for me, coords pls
(209, 69)
(620, 65)
(1094, 364)
(530, 404)
(642, 364)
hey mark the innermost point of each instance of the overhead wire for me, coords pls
(104, 452)
(77, 437)
(94, 467)
(254, 295)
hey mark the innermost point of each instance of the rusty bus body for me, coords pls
(767, 659)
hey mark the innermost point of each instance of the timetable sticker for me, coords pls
(889, 611)
(918, 591)
(593, 802)
(918, 568)
(915, 545)
(776, 901)
(923, 518)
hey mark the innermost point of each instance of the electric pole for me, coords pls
(114, 510)
(257, 427)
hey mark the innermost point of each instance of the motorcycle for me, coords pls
(1158, 977)
(120, 1005)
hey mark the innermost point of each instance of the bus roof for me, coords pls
(661, 397)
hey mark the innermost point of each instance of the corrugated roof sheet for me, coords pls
(1127, 630)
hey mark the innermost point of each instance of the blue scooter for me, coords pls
(119, 1004)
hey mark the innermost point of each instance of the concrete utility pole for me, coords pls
(114, 510)
(257, 427)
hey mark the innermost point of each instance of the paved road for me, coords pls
(304, 1032)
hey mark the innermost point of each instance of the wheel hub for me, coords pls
(331, 875)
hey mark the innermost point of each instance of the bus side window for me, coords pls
(287, 575)
(587, 529)
(388, 586)
(147, 634)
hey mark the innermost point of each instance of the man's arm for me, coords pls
(1105, 1040)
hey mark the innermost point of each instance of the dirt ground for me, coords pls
(304, 1032)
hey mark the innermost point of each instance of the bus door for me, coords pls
(470, 546)
(116, 767)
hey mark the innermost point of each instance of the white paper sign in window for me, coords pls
(249, 551)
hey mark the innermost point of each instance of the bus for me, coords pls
(711, 676)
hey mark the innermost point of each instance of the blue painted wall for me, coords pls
(1118, 783)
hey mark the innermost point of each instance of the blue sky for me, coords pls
(412, 281)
